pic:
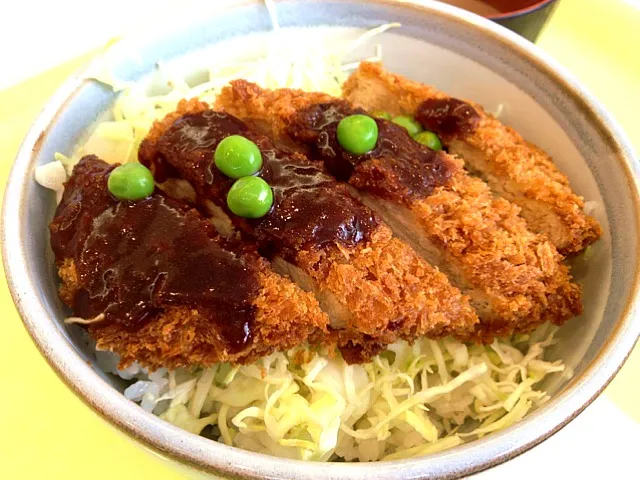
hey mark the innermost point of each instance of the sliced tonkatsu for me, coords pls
(514, 169)
(374, 287)
(155, 283)
(515, 278)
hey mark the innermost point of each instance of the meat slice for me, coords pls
(374, 287)
(515, 278)
(514, 169)
(155, 283)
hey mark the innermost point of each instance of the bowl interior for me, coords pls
(437, 48)
(418, 59)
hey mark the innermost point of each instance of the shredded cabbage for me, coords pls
(307, 66)
(411, 400)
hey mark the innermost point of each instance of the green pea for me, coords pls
(250, 197)
(429, 139)
(382, 114)
(131, 181)
(237, 156)
(408, 122)
(357, 134)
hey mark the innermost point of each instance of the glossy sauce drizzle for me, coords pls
(398, 168)
(447, 117)
(133, 259)
(310, 208)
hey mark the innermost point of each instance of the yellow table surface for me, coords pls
(46, 432)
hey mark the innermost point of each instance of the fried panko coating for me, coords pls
(286, 317)
(179, 333)
(514, 168)
(515, 278)
(375, 293)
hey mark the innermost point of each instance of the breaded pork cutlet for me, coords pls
(514, 169)
(374, 287)
(515, 278)
(156, 284)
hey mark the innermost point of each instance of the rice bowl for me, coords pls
(185, 410)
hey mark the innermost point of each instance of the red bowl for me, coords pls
(526, 17)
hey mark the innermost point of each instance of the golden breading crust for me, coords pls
(516, 276)
(182, 337)
(514, 168)
(389, 291)
(267, 110)
(388, 288)
(519, 272)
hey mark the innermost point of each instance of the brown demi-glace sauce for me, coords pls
(134, 258)
(310, 208)
(398, 168)
(447, 117)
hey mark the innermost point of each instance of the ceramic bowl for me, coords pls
(459, 52)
